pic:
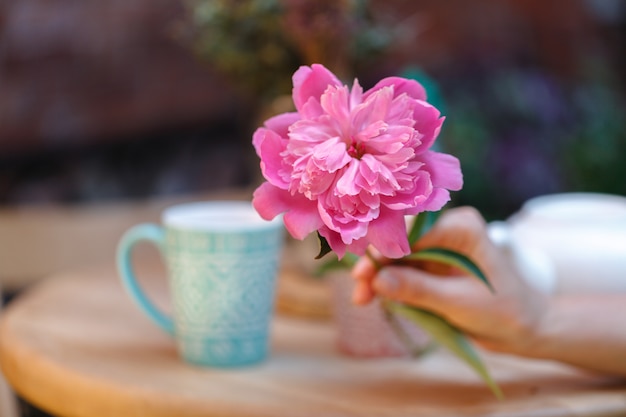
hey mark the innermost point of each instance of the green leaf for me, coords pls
(451, 258)
(324, 247)
(446, 335)
(414, 350)
(423, 222)
(417, 228)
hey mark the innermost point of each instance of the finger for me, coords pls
(363, 293)
(422, 289)
(363, 273)
(364, 270)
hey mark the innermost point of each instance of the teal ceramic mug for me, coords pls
(222, 261)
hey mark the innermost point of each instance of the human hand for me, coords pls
(503, 321)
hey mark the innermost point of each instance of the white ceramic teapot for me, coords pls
(571, 242)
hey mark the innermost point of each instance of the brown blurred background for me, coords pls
(127, 99)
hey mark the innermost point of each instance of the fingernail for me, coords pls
(386, 282)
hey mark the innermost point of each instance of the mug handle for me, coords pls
(154, 234)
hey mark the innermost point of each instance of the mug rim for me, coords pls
(217, 216)
(567, 207)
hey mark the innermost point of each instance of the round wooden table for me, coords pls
(76, 346)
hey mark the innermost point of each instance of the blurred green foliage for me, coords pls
(523, 133)
(260, 43)
(245, 40)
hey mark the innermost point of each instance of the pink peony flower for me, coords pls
(352, 164)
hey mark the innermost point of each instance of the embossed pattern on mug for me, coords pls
(224, 300)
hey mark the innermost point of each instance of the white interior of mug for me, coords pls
(221, 216)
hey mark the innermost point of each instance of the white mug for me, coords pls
(575, 240)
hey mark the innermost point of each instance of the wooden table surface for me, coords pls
(75, 345)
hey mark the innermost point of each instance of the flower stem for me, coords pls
(405, 338)
(403, 335)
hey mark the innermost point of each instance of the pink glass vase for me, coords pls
(365, 331)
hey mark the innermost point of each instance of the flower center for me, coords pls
(356, 150)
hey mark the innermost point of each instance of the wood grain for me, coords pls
(76, 346)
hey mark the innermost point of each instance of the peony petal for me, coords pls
(376, 173)
(401, 159)
(373, 110)
(270, 201)
(359, 246)
(414, 198)
(402, 111)
(388, 234)
(311, 109)
(347, 184)
(334, 241)
(392, 139)
(400, 85)
(436, 200)
(301, 217)
(257, 139)
(269, 147)
(444, 170)
(356, 94)
(353, 231)
(314, 181)
(335, 104)
(313, 131)
(428, 123)
(331, 155)
(371, 131)
(310, 83)
(281, 123)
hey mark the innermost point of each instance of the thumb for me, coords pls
(459, 229)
